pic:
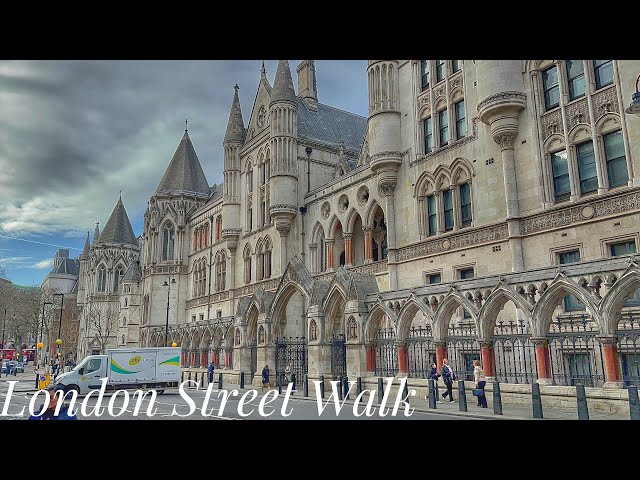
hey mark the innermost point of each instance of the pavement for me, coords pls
(308, 405)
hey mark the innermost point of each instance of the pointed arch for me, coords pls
(613, 301)
(424, 184)
(553, 142)
(412, 306)
(371, 212)
(461, 171)
(492, 306)
(372, 323)
(560, 287)
(333, 307)
(352, 216)
(453, 300)
(579, 133)
(442, 177)
(252, 321)
(607, 122)
(317, 232)
(332, 226)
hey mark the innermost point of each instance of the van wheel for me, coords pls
(70, 388)
(160, 392)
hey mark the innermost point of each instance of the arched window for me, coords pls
(267, 258)
(123, 341)
(218, 228)
(124, 321)
(379, 236)
(221, 270)
(247, 263)
(168, 241)
(259, 261)
(117, 276)
(102, 279)
(126, 302)
(203, 269)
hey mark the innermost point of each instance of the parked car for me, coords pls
(19, 367)
(7, 366)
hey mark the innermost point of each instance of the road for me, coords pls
(220, 405)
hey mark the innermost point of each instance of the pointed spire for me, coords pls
(283, 84)
(96, 232)
(263, 71)
(118, 228)
(235, 128)
(85, 250)
(184, 173)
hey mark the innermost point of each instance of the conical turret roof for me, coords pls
(235, 128)
(87, 245)
(283, 84)
(118, 228)
(184, 172)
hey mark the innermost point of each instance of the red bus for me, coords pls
(28, 354)
(7, 353)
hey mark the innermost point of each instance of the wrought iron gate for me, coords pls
(291, 350)
(254, 359)
(575, 352)
(462, 350)
(514, 353)
(421, 351)
(386, 352)
(338, 356)
(629, 349)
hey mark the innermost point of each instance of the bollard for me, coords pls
(182, 379)
(280, 382)
(321, 386)
(241, 380)
(432, 394)
(345, 387)
(189, 377)
(405, 393)
(380, 390)
(634, 407)
(462, 396)
(536, 400)
(358, 385)
(219, 381)
(497, 399)
(581, 397)
(305, 385)
(339, 387)
(37, 378)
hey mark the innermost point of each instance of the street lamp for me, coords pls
(634, 107)
(41, 333)
(58, 340)
(3, 327)
(167, 283)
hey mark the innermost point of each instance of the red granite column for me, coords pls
(193, 359)
(203, 358)
(611, 359)
(183, 360)
(403, 359)
(216, 359)
(441, 353)
(329, 255)
(488, 359)
(368, 245)
(371, 359)
(227, 359)
(543, 360)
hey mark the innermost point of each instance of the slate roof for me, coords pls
(184, 172)
(68, 266)
(331, 125)
(118, 228)
(235, 128)
(283, 84)
(133, 274)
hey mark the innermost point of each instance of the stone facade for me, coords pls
(453, 205)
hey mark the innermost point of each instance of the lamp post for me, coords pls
(3, 327)
(40, 334)
(634, 107)
(58, 339)
(167, 283)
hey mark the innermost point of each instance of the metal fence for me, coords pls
(253, 367)
(629, 348)
(291, 350)
(338, 356)
(421, 351)
(385, 347)
(462, 349)
(514, 353)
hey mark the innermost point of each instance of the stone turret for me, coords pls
(385, 143)
(283, 111)
(501, 94)
(307, 85)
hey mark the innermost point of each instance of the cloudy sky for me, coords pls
(75, 133)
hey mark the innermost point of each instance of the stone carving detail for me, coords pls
(502, 97)
(566, 216)
(606, 101)
(363, 195)
(343, 203)
(456, 80)
(271, 284)
(551, 123)
(505, 139)
(325, 210)
(386, 188)
(430, 247)
(577, 112)
(236, 340)
(313, 330)
(262, 115)
(451, 145)
(261, 335)
(438, 92)
(352, 329)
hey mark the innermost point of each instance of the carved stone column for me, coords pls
(612, 373)
(488, 360)
(386, 188)
(329, 244)
(368, 244)
(348, 250)
(371, 359)
(283, 229)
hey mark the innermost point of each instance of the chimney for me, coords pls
(307, 89)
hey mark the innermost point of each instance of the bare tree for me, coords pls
(102, 323)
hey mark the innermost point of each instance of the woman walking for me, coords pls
(481, 381)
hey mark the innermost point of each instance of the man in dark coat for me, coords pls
(49, 413)
(210, 371)
(448, 377)
(265, 378)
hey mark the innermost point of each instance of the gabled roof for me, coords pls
(118, 228)
(133, 273)
(331, 126)
(184, 173)
(68, 266)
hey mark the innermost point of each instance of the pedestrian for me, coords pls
(287, 372)
(15, 369)
(265, 378)
(49, 413)
(434, 375)
(448, 376)
(481, 381)
(210, 371)
(35, 370)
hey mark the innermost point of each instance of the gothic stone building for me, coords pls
(485, 209)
